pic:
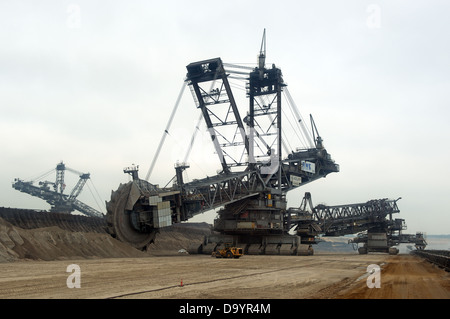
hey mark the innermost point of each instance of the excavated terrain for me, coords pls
(35, 251)
(28, 234)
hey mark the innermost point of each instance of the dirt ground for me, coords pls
(34, 264)
(322, 276)
(404, 277)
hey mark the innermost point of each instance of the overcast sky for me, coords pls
(93, 83)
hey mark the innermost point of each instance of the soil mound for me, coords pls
(39, 236)
(54, 243)
(29, 219)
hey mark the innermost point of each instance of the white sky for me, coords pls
(93, 83)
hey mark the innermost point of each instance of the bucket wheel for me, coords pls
(119, 220)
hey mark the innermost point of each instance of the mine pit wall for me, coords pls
(41, 235)
(54, 243)
(441, 258)
(30, 219)
(37, 235)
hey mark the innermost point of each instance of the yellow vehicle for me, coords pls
(229, 251)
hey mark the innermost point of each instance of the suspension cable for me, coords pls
(166, 131)
(299, 117)
(42, 175)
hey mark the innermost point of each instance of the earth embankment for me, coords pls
(27, 234)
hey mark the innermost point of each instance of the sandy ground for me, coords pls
(34, 261)
(255, 277)
(404, 277)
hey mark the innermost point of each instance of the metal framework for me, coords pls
(257, 139)
(346, 219)
(213, 96)
(255, 175)
(372, 220)
(59, 201)
(257, 170)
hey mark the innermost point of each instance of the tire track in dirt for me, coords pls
(198, 283)
(403, 277)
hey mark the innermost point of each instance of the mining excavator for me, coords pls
(257, 167)
(259, 164)
(59, 201)
(372, 221)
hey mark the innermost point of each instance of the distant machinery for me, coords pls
(60, 202)
(372, 220)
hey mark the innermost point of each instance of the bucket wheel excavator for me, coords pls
(260, 161)
(59, 201)
(258, 165)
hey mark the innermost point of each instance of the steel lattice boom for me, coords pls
(59, 201)
(372, 218)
